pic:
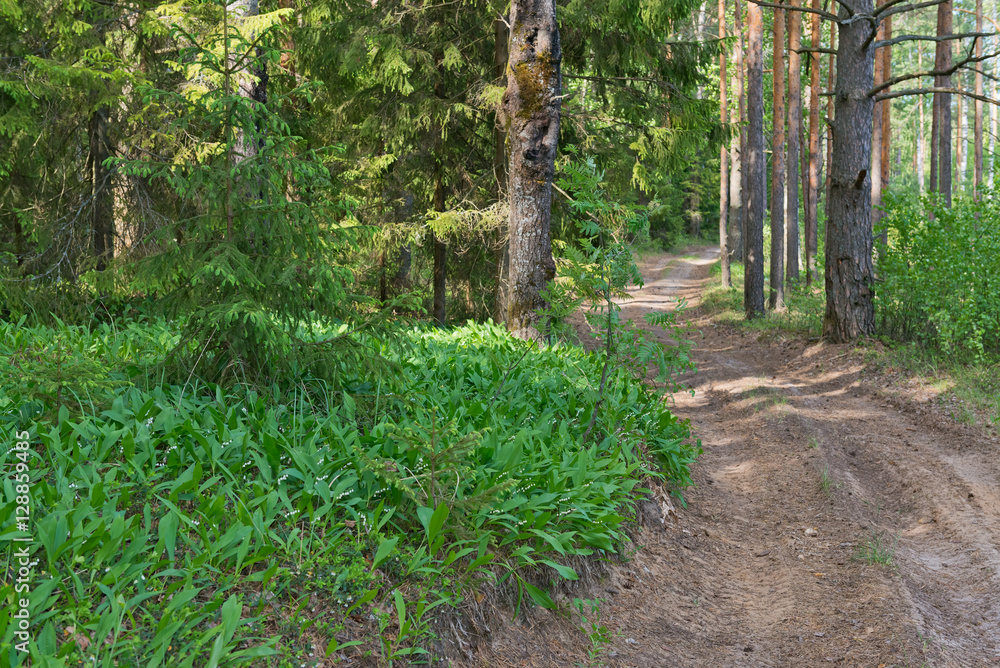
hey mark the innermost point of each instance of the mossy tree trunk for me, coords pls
(531, 106)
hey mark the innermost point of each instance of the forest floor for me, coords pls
(815, 469)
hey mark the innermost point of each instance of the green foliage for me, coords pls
(940, 273)
(172, 525)
(879, 548)
(803, 314)
(596, 272)
(257, 268)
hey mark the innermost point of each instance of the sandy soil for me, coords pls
(807, 460)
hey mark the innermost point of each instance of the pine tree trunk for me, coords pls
(739, 249)
(878, 75)
(735, 201)
(776, 298)
(737, 192)
(440, 260)
(886, 108)
(102, 208)
(993, 121)
(723, 157)
(794, 133)
(814, 157)
(850, 311)
(531, 106)
(943, 61)
(977, 180)
(831, 74)
(919, 152)
(935, 134)
(756, 165)
(500, 56)
(961, 161)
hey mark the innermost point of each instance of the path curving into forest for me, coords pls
(806, 461)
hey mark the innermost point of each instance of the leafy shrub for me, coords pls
(187, 525)
(940, 274)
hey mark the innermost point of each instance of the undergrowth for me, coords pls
(193, 525)
(802, 315)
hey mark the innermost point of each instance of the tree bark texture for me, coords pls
(776, 298)
(531, 106)
(831, 75)
(993, 120)
(943, 61)
(886, 143)
(850, 312)
(500, 56)
(814, 156)
(723, 156)
(794, 146)
(756, 165)
(961, 155)
(102, 202)
(739, 251)
(440, 259)
(735, 201)
(878, 76)
(251, 84)
(919, 153)
(977, 130)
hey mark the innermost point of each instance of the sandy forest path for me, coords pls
(807, 461)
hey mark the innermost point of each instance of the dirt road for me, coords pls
(808, 466)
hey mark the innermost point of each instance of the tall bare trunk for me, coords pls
(919, 153)
(102, 202)
(993, 121)
(794, 134)
(878, 76)
(850, 310)
(881, 127)
(440, 260)
(531, 105)
(961, 155)
(723, 156)
(831, 75)
(977, 181)
(814, 156)
(886, 143)
(942, 61)
(777, 296)
(756, 177)
(501, 36)
(737, 226)
(735, 200)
